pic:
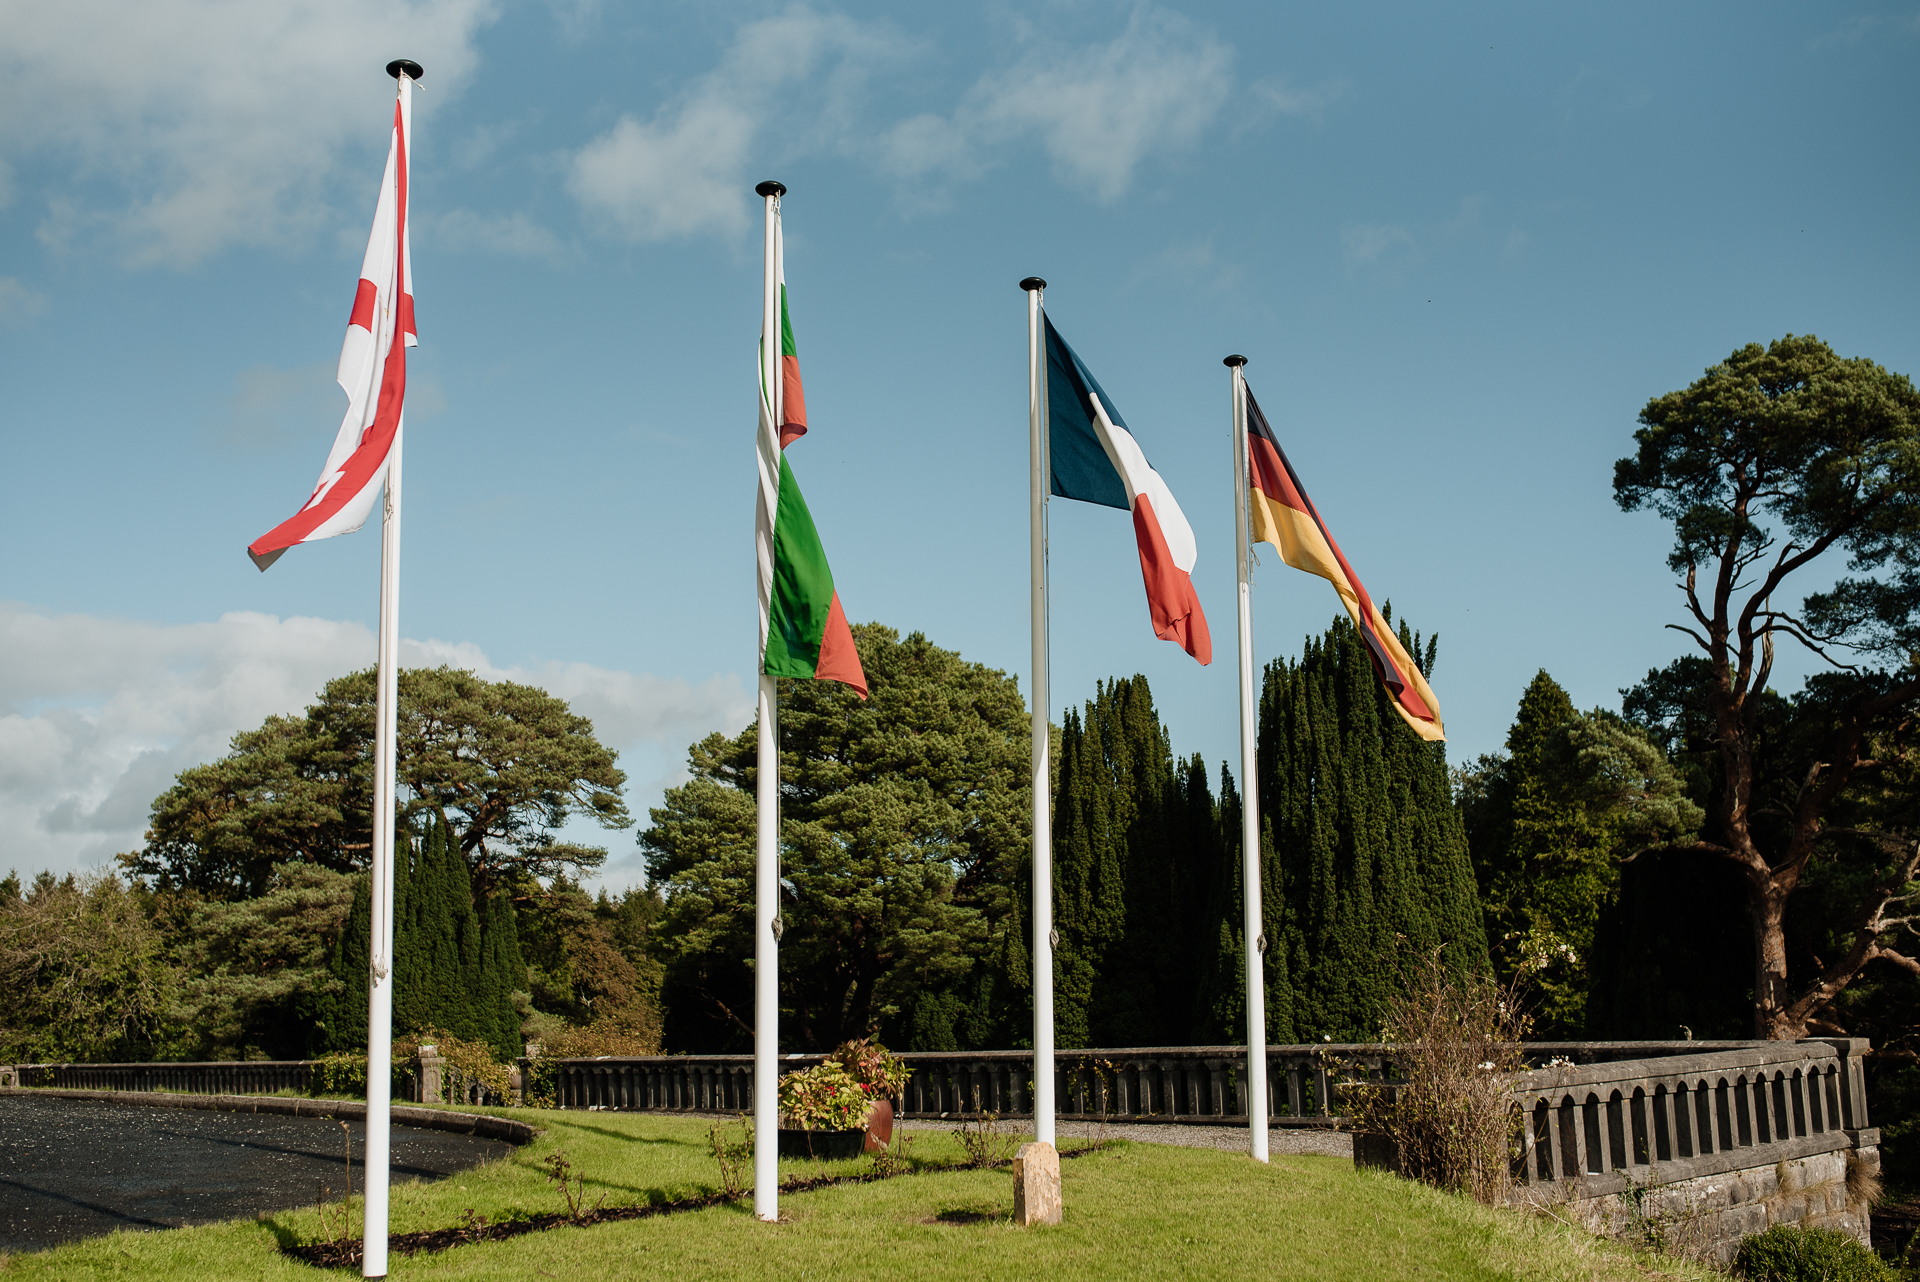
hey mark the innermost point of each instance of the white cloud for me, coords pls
(1098, 111)
(1306, 102)
(514, 234)
(195, 125)
(1369, 243)
(273, 408)
(684, 170)
(98, 715)
(18, 304)
(1391, 246)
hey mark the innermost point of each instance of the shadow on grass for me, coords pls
(348, 1254)
(961, 1215)
(282, 1233)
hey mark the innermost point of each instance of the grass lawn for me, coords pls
(1132, 1211)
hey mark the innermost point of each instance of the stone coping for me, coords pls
(1706, 1064)
(433, 1119)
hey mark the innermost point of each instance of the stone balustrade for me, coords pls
(218, 1077)
(1701, 1150)
(1592, 1127)
(1131, 1084)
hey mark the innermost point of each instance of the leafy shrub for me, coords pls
(1452, 1120)
(1789, 1253)
(876, 1069)
(626, 1033)
(824, 1098)
(471, 1075)
(985, 1143)
(341, 1073)
(734, 1155)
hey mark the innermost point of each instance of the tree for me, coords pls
(261, 983)
(1829, 449)
(1547, 824)
(84, 973)
(903, 840)
(1139, 855)
(502, 765)
(1368, 864)
(577, 968)
(457, 967)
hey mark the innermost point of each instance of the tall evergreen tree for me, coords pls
(455, 968)
(1370, 865)
(1139, 850)
(345, 1018)
(1547, 824)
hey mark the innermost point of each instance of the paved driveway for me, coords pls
(78, 1168)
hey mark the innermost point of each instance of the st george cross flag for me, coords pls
(1095, 458)
(373, 370)
(1283, 515)
(803, 630)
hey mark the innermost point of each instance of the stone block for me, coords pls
(1036, 1184)
(1743, 1221)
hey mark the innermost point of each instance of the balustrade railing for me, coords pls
(1673, 1117)
(219, 1077)
(1589, 1107)
(1141, 1083)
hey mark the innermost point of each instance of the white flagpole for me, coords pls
(378, 1173)
(766, 869)
(1043, 936)
(1256, 945)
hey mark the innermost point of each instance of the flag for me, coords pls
(1281, 514)
(373, 370)
(803, 629)
(1095, 458)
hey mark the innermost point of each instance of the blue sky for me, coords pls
(1461, 247)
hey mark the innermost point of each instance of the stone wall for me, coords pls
(1708, 1216)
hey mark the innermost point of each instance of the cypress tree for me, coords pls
(436, 939)
(344, 1021)
(1139, 855)
(1217, 1015)
(1371, 867)
(455, 968)
(502, 973)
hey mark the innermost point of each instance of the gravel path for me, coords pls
(80, 1168)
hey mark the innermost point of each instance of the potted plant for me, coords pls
(880, 1074)
(823, 1112)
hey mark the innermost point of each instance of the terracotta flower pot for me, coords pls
(880, 1126)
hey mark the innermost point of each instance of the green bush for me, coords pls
(1789, 1253)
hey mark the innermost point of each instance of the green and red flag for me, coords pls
(803, 630)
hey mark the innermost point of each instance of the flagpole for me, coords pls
(766, 868)
(1042, 778)
(1256, 944)
(378, 1165)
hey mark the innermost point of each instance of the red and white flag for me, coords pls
(373, 370)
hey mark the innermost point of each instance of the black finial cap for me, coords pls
(1234, 362)
(770, 188)
(1033, 283)
(413, 69)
